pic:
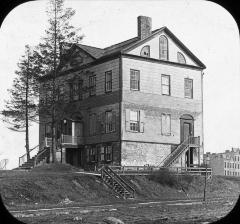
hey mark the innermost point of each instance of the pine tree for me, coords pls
(20, 110)
(59, 34)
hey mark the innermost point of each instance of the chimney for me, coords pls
(144, 27)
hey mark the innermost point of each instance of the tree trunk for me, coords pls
(26, 113)
(53, 150)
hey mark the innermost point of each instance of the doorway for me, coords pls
(186, 130)
(186, 127)
(74, 157)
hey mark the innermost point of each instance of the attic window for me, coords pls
(181, 59)
(163, 48)
(145, 52)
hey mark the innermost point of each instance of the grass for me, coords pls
(58, 184)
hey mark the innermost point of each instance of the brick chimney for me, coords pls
(144, 27)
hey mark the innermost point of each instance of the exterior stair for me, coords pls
(172, 157)
(116, 183)
(27, 165)
(40, 157)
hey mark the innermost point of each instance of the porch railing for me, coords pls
(48, 142)
(150, 169)
(194, 140)
(33, 151)
(71, 140)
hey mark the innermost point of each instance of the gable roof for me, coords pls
(95, 52)
(125, 46)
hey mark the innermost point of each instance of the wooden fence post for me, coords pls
(205, 185)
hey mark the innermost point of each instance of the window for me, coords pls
(92, 85)
(145, 52)
(60, 93)
(166, 85)
(134, 121)
(181, 59)
(166, 124)
(225, 164)
(109, 121)
(108, 81)
(188, 88)
(108, 153)
(134, 79)
(93, 154)
(80, 90)
(163, 48)
(92, 124)
(102, 154)
(48, 131)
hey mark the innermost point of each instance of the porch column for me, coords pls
(198, 156)
(63, 155)
(188, 156)
(73, 128)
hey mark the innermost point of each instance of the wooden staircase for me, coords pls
(116, 183)
(172, 157)
(40, 157)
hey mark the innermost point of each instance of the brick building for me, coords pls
(226, 163)
(133, 103)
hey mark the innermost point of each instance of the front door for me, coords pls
(186, 130)
(186, 126)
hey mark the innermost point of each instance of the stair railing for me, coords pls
(22, 159)
(45, 153)
(111, 184)
(120, 180)
(176, 152)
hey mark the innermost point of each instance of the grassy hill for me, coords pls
(58, 184)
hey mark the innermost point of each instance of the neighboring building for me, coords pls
(132, 103)
(226, 163)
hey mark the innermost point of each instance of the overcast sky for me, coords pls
(206, 28)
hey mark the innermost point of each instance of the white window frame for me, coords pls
(186, 88)
(163, 48)
(108, 82)
(134, 80)
(92, 85)
(163, 76)
(134, 124)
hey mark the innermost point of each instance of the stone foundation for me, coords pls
(140, 154)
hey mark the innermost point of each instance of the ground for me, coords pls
(65, 196)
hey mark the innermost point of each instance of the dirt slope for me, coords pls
(59, 185)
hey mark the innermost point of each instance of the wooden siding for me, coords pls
(152, 103)
(154, 49)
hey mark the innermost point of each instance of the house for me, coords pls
(135, 103)
(225, 164)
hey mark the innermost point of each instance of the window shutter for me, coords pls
(99, 123)
(103, 122)
(114, 117)
(127, 120)
(142, 120)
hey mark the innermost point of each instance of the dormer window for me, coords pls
(163, 48)
(181, 59)
(145, 52)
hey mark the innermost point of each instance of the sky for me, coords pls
(206, 28)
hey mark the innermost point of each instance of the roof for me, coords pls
(131, 43)
(93, 51)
